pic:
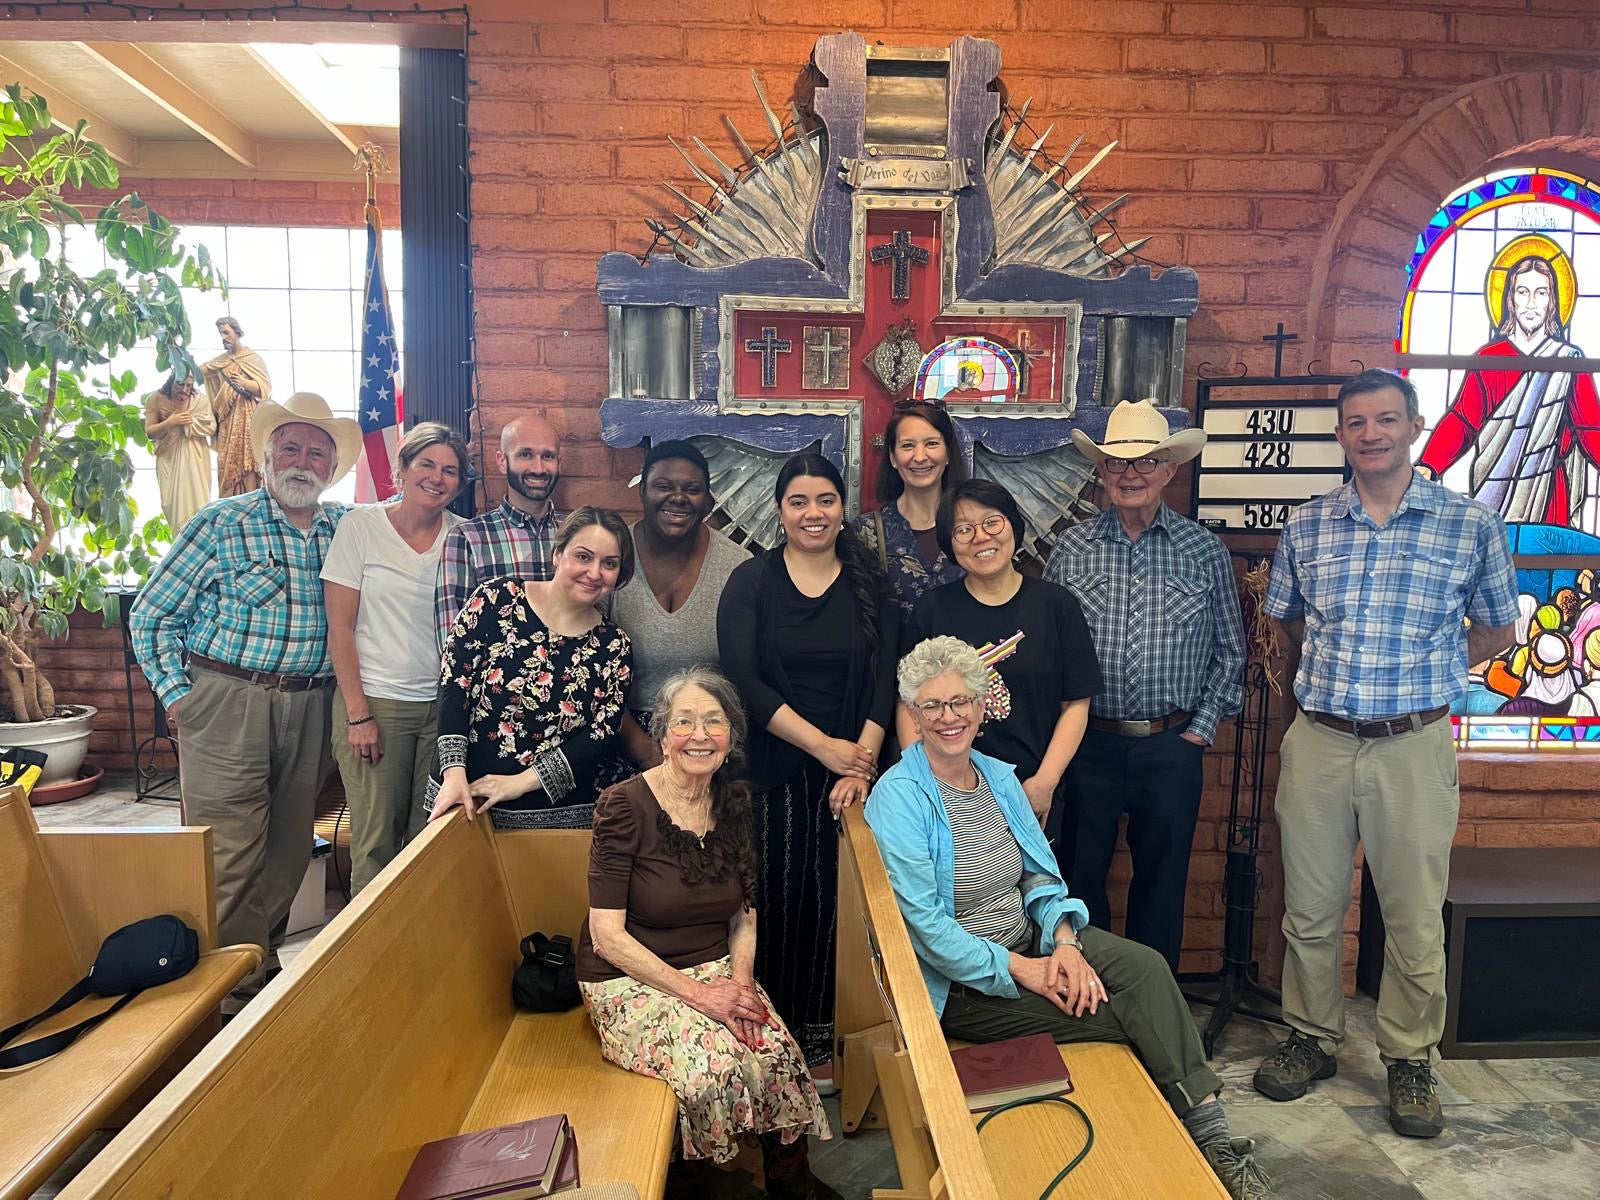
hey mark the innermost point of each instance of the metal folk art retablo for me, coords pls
(902, 239)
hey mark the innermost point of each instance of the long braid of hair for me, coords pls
(866, 579)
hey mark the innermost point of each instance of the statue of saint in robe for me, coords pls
(236, 382)
(180, 425)
(1531, 433)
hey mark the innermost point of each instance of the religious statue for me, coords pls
(1524, 426)
(236, 382)
(180, 425)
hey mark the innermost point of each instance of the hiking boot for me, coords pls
(1414, 1100)
(1234, 1162)
(1291, 1069)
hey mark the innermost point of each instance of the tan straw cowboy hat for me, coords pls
(1137, 430)
(307, 408)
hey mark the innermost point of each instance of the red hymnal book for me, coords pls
(510, 1162)
(1015, 1069)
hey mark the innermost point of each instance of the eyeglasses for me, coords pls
(716, 725)
(959, 706)
(992, 525)
(1145, 466)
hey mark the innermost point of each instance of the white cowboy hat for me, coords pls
(307, 408)
(1136, 430)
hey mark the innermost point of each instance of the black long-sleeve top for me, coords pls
(779, 647)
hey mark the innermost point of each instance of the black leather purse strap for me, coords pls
(55, 1043)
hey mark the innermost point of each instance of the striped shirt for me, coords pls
(1383, 604)
(1164, 615)
(241, 585)
(503, 541)
(988, 867)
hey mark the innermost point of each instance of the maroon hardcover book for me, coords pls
(1015, 1069)
(508, 1162)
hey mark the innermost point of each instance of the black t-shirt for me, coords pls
(1039, 645)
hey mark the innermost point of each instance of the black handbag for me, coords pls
(547, 980)
(143, 955)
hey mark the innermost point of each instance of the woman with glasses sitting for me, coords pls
(1004, 950)
(1030, 634)
(666, 958)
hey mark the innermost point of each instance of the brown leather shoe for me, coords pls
(1414, 1100)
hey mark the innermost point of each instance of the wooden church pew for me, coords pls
(893, 1046)
(62, 891)
(395, 1027)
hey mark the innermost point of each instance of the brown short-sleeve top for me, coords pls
(679, 891)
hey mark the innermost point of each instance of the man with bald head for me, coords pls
(514, 538)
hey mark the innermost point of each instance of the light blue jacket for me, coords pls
(912, 830)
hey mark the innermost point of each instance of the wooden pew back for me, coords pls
(39, 958)
(375, 1040)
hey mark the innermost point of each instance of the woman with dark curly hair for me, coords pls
(808, 632)
(666, 959)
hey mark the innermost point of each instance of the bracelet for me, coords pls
(1073, 942)
(364, 720)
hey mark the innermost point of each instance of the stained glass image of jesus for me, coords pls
(1530, 432)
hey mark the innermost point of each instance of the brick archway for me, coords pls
(1360, 272)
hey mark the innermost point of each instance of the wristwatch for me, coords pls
(1070, 940)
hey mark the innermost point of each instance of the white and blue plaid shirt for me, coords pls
(1383, 605)
(240, 585)
(1164, 614)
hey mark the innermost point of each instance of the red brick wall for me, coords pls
(255, 201)
(1288, 152)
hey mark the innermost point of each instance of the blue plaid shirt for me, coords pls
(1164, 614)
(503, 541)
(241, 585)
(1383, 605)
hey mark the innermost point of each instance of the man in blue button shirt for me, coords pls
(1372, 583)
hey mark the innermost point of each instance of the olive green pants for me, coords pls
(251, 762)
(1146, 1011)
(385, 799)
(1397, 797)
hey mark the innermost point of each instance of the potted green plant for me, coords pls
(66, 421)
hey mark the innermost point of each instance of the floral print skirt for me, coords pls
(725, 1090)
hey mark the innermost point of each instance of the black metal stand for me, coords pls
(1229, 990)
(151, 782)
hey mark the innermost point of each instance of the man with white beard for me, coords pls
(232, 634)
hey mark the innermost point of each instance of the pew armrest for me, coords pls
(106, 878)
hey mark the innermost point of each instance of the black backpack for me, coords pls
(547, 980)
(145, 954)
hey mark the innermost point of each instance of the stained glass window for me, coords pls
(1508, 269)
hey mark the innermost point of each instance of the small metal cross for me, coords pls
(769, 345)
(1278, 339)
(902, 254)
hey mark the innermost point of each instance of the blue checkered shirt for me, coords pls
(1164, 614)
(241, 585)
(1383, 605)
(503, 541)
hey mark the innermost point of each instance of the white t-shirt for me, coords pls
(394, 626)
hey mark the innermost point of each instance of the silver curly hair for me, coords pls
(931, 658)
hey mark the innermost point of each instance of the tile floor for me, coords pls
(1518, 1129)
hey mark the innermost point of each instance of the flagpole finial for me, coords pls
(371, 158)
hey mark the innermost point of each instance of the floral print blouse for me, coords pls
(910, 575)
(514, 695)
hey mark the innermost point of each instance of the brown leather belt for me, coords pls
(1385, 727)
(1140, 729)
(266, 679)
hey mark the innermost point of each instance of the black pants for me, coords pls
(1156, 781)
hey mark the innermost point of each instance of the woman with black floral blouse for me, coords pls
(534, 685)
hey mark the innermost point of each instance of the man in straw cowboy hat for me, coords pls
(232, 634)
(1376, 580)
(1159, 595)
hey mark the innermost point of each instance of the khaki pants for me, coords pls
(253, 760)
(385, 800)
(1397, 797)
(1146, 1011)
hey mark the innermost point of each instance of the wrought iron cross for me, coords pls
(902, 253)
(769, 345)
(1278, 339)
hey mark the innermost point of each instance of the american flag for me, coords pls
(378, 395)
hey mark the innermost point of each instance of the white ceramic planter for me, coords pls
(64, 739)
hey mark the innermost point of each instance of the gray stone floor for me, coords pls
(1518, 1129)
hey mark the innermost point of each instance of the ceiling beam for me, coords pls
(139, 70)
(65, 113)
(295, 94)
